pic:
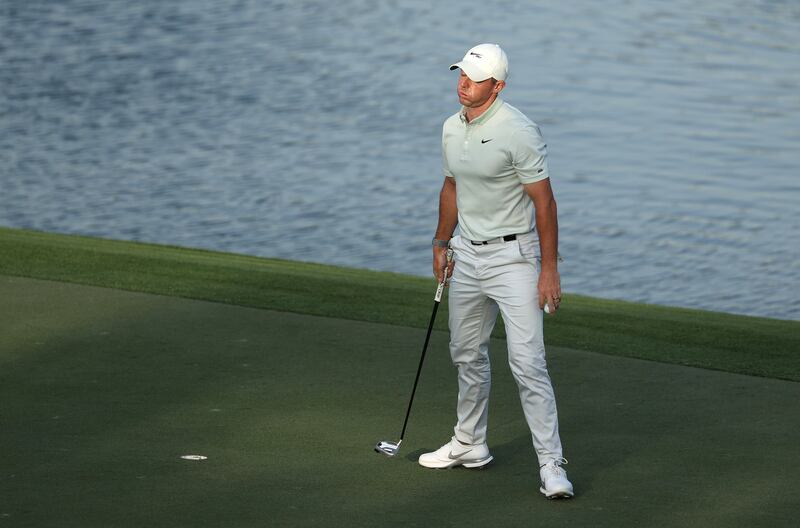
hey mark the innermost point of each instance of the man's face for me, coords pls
(475, 94)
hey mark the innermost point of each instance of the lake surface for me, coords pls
(310, 130)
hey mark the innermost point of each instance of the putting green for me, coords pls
(103, 390)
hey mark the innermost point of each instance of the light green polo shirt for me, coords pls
(491, 158)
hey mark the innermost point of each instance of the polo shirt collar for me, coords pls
(492, 110)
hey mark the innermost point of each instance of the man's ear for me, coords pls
(499, 85)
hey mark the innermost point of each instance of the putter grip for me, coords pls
(440, 288)
(439, 291)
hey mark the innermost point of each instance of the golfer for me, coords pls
(497, 191)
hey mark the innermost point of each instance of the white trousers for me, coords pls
(500, 277)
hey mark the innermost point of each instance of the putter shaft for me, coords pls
(390, 448)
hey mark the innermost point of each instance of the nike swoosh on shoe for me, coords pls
(451, 456)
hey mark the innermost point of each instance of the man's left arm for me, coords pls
(547, 226)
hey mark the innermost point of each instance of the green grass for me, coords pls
(746, 345)
(102, 391)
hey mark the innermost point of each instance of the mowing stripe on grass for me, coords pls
(747, 345)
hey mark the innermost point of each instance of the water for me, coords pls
(311, 130)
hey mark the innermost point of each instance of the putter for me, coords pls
(391, 448)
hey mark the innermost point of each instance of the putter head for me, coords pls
(387, 448)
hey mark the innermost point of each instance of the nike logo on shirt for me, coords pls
(485, 140)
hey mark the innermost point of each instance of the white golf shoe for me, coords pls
(555, 484)
(454, 453)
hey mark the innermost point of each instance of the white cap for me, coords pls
(484, 61)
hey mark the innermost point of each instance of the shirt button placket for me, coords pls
(465, 148)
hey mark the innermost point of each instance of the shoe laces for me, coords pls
(554, 467)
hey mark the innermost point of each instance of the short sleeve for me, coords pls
(529, 154)
(445, 165)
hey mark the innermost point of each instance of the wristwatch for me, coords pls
(440, 243)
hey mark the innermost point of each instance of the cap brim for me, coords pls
(473, 71)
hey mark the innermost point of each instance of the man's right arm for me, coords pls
(448, 219)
